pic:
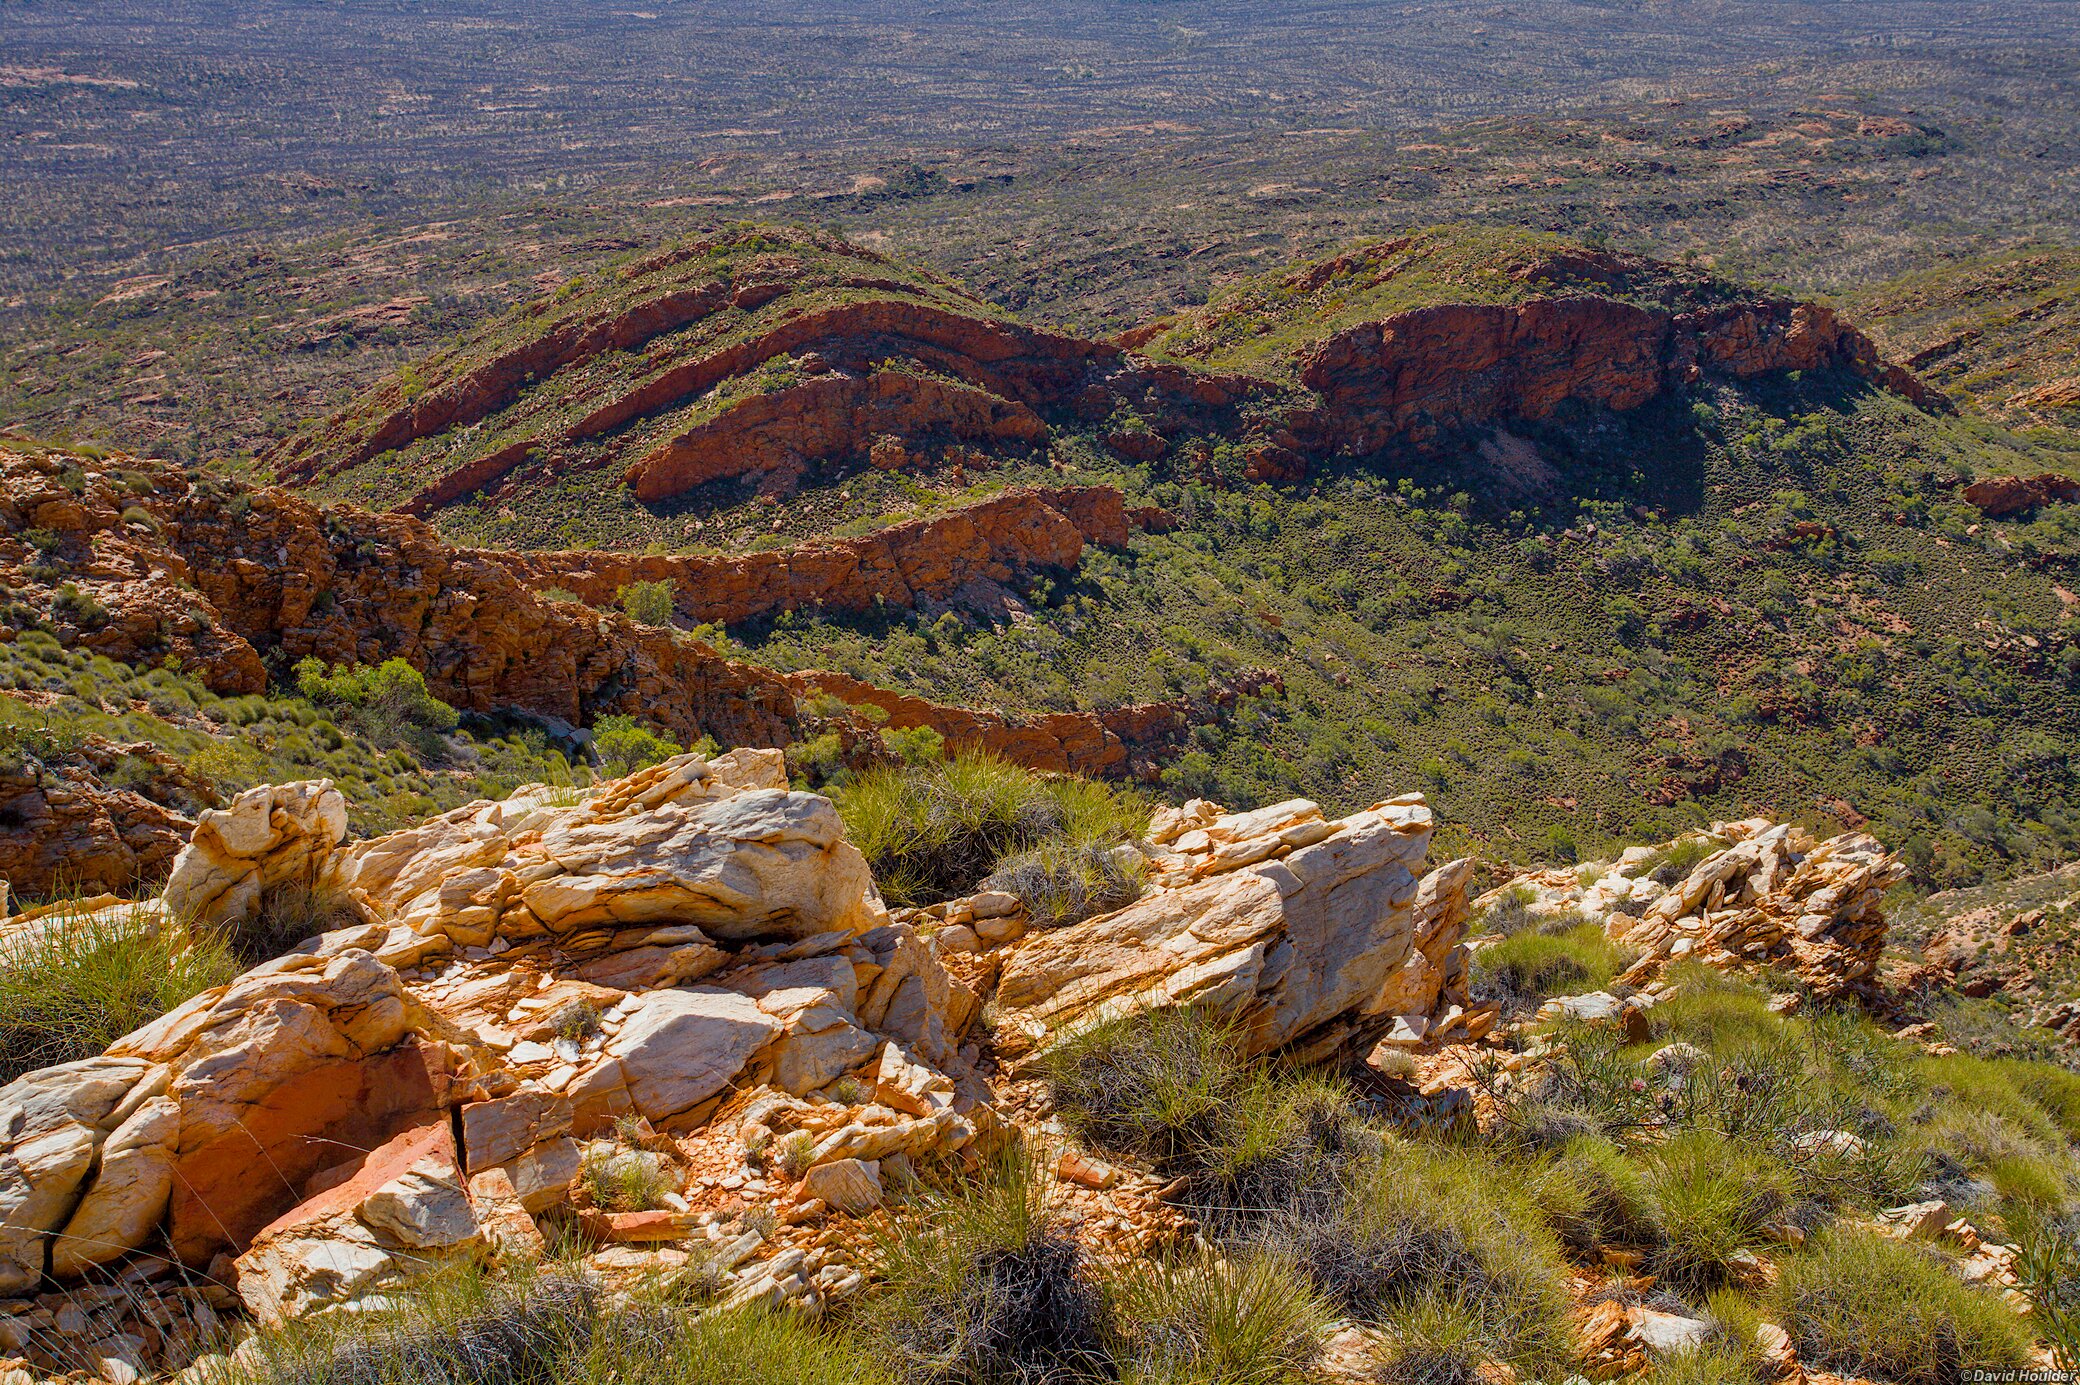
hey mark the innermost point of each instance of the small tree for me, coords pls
(389, 702)
(648, 603)
(624, 745)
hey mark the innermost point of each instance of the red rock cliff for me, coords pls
(1458, 364)
(996, 540)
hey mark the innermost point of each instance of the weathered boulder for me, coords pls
(53, 1124)
(719, 845)
(1300, 928)
(279, 834)
(377, 1222)
(678, 1049)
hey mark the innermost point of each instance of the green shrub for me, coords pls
(1865, 1305)
(936, 830)
(1714, 1010)
(1442, 1247)
(1706, 1365)
(69, 603)
(1528, 967)
(2048, 1266)
(1062, 883)
(624, 1180)
(648, 603)
(1217, 1320)
(1154, 1085)
(289, 913)
(77, 987)
(915, 745)
(1710, 1197)
(1593, 1196)
(388, 702)
(624, 745)
(980, 1285)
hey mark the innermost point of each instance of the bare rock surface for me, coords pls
(1758, 892)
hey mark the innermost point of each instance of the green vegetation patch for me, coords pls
(940, 828)
(392, 748)
(1261, 325)
(77, 983)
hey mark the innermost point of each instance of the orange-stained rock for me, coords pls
(825, 418)
(2003, 497)
(1458, 364)
(999, 539)
(232, 574)
(228, 1188)
(66, 829)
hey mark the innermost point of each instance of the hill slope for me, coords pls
(1589, 546)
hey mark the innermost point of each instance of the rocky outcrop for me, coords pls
(997, 540)
(731, 938)
(62, 827)
(1759, 894)
(1130, 740)
(2004, 497)
(1314, 936)
(689, 971)
(482, 390)
(232, 581)
(265, 838)
(1454, 365)
(832, 417)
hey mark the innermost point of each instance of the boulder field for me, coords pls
(689, 971)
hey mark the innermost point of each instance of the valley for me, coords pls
(1148, 692)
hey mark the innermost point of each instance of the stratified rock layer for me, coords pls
(230, 581)
(1461, 364)
(1762, 893)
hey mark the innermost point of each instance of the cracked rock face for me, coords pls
(1762, 893)
(1307, 931)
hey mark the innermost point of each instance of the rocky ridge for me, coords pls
(772, 367)
(1416, 373)
(233, 582)
(938, 558)
(688, 971)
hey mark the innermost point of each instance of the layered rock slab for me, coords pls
(1303, 930)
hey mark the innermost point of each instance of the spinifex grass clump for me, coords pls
(1532, 965)
(1061, 883)
(554, 1326)
(1244, 1319)
(1865, 1305)
(935, 830)
(1437, 1245)
(982, 1286)
(1280, 1164)
(77, 985)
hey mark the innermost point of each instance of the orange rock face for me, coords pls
(826, 418)
(71, 830)
(1458, 364)
(2002, 497)
(995, 540)
(1117, 741)
(226, 1189)
(234, 581)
